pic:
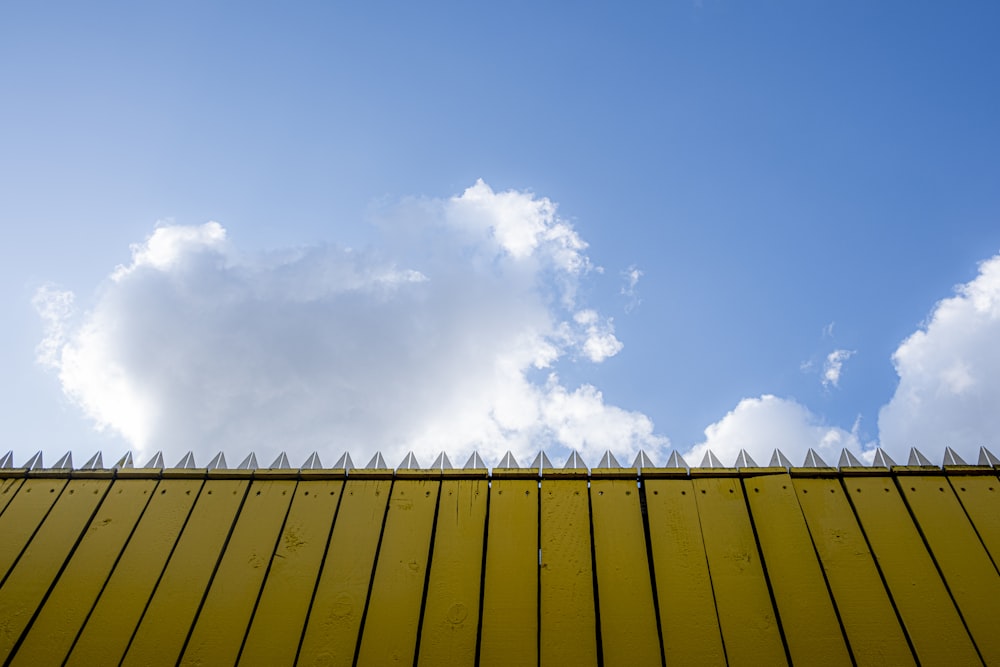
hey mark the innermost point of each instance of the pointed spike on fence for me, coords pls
(711, 460)
(125, 461)
(441, 462)
(744, 460)
(779, 460)
(377, 463)
(475, 462)
(409, 462)
(917, 458)
(65, 462)
(882, 460)
(508, 461)
(7, 460)
(34, 462)
(642, 461)
(848, 460)
(344, 462)
(249, 462)
(155, 462)
(951, 458)
(609, 461)
(987, 458)
(218, 462)
(312, 463)
(575, 462)
(676, 460)
(281, 462)
(814, 460)
(95, 462)
(187, 461)
(541, 462)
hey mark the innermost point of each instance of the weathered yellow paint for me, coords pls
(113, 620)
(225, 614)
(510, 598)
(629, 635)
(60, 619)
(160, 636)
(980, 496)
(29, 580)
(929, 617)
(22, 517)
(873, 631)
(331, 633)
(278, 622)
(800, 593)
(568, 619)
(8, 488)
(688, 619)
(389, 636)
(968, 571)
(746, 616)
(451, 613)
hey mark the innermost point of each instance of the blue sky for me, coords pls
(791, 179)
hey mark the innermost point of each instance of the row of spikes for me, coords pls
(541, 461)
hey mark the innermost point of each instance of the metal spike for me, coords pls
(280, 463)
(676, 461)
(779, 460)
(882, 460)
(95, 462)
(814, 460)
(951, 458)
(7, 460)
(187, 461)
(377, 463)
(986, 458)
(409, 462)
(34, 462)
(609, 461)
(312, 463)
(575, 462)
(124, 462)
(475, 462)
(441, 462)
(65, 462)
(918, 459)
(711, 461)
(642, 461)
(248, 463)
(344, 462)
(540, 462)
(508, 461)
(848, 460)
(156, 461)
(218, 462)
(744, 460)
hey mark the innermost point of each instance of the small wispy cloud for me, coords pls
(834, 367)
(631, 278)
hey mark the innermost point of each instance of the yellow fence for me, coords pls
(755, 566)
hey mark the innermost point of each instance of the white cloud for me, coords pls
(834, 366)
(949, 375)
(760, 425)
(628, 290)
(429, 341)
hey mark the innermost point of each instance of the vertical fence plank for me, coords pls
(746, 616)
(331, 634)
(60, 619)
(22, 517)
(629, 635)
(980, 497)
(451, 613)
(510, 597)
(688, 620)
(568, 617)
(273, 638)
(866, 611)
(8, 489)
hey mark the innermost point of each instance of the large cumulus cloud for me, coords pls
(443, 336)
